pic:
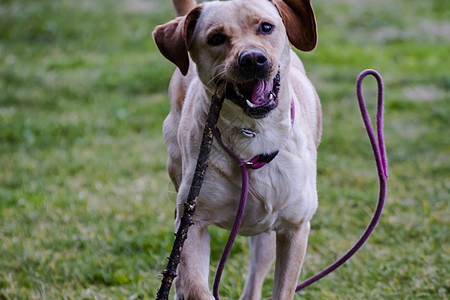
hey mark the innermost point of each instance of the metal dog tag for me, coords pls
(248, 133)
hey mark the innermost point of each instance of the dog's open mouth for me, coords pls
(256, 97)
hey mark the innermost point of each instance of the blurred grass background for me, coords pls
(86, 207)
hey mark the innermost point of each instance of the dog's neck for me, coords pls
(249, 136)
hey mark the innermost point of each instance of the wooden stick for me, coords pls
(170, 272)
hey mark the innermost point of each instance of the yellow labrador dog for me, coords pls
(271, 110)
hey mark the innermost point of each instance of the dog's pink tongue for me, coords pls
(261, 91)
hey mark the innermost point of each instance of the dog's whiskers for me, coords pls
(220, 74)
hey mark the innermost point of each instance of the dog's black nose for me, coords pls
(253, 63)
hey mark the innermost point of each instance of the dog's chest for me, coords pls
(277, 197)
(281, 194)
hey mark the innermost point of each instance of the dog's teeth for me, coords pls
(270, 96)
(250, 104)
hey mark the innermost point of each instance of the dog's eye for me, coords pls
(266, 28)
(217, 39)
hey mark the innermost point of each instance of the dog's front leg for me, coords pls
(262, 253)
(291, 249)
(194, 266)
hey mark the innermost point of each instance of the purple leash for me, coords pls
(379, 151)
(237, 220)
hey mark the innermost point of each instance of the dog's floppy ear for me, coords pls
(174, 37)
(298, 18)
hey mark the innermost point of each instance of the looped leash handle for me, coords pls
(379, 151)
(379, 148)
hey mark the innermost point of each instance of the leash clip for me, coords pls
(246, 163)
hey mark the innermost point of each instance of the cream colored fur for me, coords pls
(282, 195)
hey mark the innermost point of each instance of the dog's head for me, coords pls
(242, 42)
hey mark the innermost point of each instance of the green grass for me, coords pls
(86, 207)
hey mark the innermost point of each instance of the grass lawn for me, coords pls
(86, 206)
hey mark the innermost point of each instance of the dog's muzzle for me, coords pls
(256, 95)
